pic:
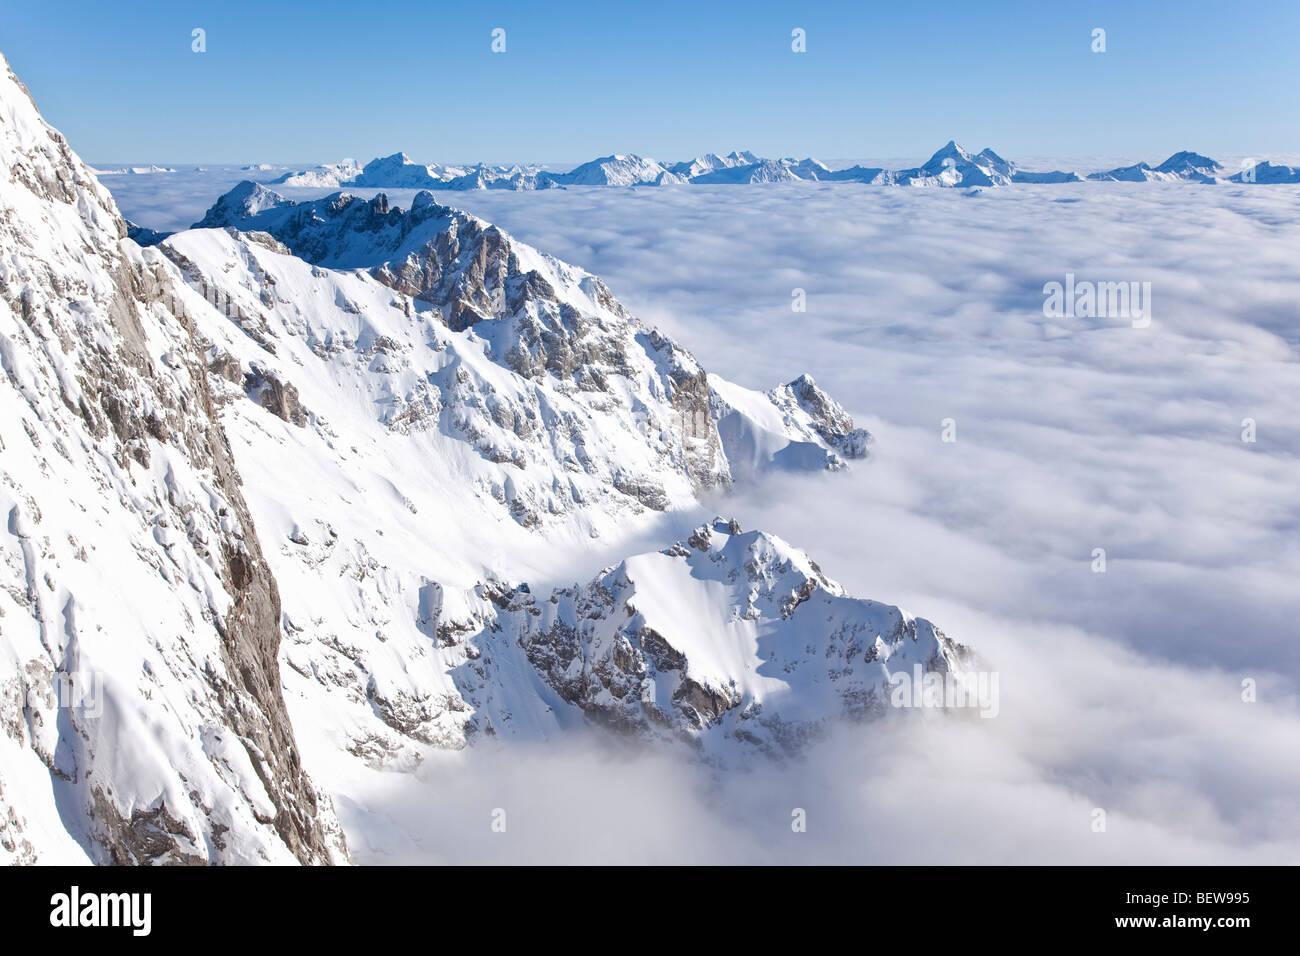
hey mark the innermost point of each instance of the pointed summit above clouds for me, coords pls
(949, 150)
(951, 165)
(1187, 162)
(245, 200)
(397, 171)
(993, 161)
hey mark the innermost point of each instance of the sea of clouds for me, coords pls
(1120, 691)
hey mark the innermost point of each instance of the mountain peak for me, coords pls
(245, 199)
(950, 148)
(1187, 160)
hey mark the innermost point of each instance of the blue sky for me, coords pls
(308, 82)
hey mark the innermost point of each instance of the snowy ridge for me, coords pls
(1184, 166)
(618, 171)
(601, 426)
(712, 162)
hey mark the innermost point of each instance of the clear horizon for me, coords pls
(274, 86)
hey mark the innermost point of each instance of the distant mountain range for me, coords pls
(949, 166)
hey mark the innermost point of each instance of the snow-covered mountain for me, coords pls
(140, 699)
(396, 171)
(327, 176)
(952, 165)
(617, 170)
(765, 171)
(517, 178)
(712, 162)
(1183, 166)
(871, 175)
(278, 486)
(472, 385)
(1266, 172)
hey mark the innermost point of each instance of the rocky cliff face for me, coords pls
(139, 621)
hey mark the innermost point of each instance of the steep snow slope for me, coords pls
(140, 699)
(787, 428)
(610, 423)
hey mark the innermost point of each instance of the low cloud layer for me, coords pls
(914, 788)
